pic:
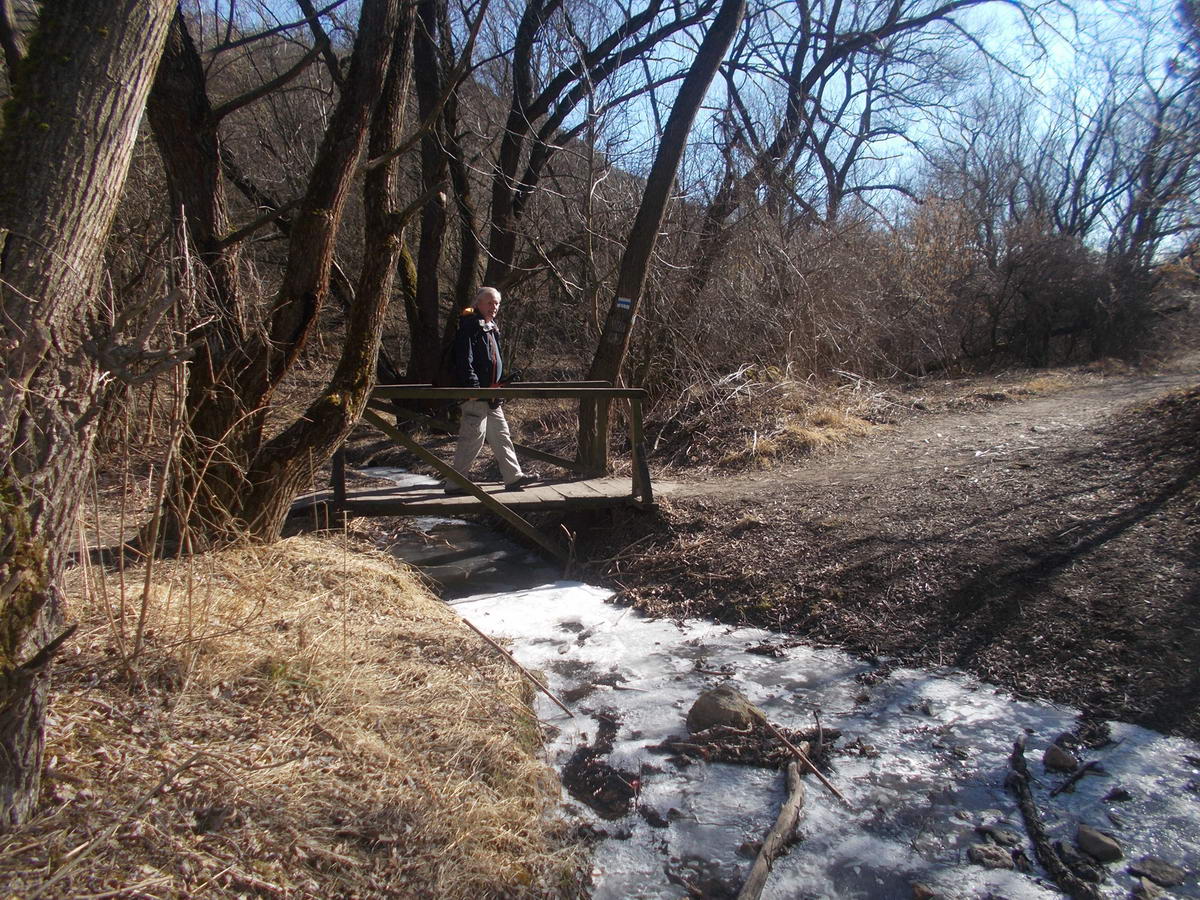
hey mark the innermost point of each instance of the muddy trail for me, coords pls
(1046, 543)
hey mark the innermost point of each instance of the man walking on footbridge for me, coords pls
(477, 363)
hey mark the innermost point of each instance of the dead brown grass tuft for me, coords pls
(1047, 384)
(306, 720)
(802, 429)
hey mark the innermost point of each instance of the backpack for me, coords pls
(445, 376)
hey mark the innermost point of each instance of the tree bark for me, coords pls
(229, 481)
(219, 436)
(285, 464)
(69, 135)
(424, 320)
(778, 838)
(639, 247)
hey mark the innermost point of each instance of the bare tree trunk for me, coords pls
(70, 130)
(631, 280)
(219, 435)
(229, 481)
(424, 321)
(285, 464)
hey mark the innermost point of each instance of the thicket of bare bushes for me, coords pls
(1023, 237)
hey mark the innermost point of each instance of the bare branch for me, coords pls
(270, 32)
(322, 39)
(460, 71)
(270, 86)
(261, 222)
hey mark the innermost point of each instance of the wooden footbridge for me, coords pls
(573, 490)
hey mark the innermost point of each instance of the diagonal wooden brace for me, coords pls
(490, 503)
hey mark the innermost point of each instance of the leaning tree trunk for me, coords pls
(639, 247)
(285, 464)
(228, 478)
(69, 135)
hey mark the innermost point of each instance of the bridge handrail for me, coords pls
(600, 391)
(511, 392)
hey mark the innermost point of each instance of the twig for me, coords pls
(545, 690)
(777, 838)
(803, 757)
(1088, 766)
(1018, 782)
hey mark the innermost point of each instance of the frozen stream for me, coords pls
(922, 760)
(942, 741)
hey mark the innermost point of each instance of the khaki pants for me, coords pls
(479, 421)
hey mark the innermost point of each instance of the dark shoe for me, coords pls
(521, 483)
(453, 490)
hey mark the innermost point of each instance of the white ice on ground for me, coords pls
(943, 741)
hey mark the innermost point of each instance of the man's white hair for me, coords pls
(486, 292)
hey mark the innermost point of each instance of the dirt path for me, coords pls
(1048, 544)
(1004, 430)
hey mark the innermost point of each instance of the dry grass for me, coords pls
(305, 720)
(1048, 384)
(751, 419)
(805, 432)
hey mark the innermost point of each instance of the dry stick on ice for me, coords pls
(777, 838)
(800, 754)
(1091, 765)
(545, 690)
(1017, 781)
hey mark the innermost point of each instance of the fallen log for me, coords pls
(1018, 782)
(778, 837)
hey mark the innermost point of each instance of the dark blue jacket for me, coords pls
(475, 346)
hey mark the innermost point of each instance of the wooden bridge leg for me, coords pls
(637, 442)
(490, 503)
(593, 435)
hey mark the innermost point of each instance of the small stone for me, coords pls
(1145, 889)
(1083, 866)
(1058, 758)
(723, 706)
(990, 856)
(1021, 861)
(1002, 836)
(922, 891)
(1159, 871)
(1118, 795)
(1097, 844)
(653, 817)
